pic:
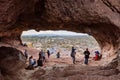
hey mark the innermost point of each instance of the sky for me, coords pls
(57, 32)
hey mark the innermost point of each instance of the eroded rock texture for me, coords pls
(99, 18)
(11, 61)
(78, 73)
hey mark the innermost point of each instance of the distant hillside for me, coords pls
(52, 35)
(63, 43)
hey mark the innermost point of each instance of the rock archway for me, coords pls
(99, 18)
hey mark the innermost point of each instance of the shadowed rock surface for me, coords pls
(11, 61)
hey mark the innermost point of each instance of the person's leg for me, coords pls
(48, 56)
(44, 60)
(58, 56)
(86, 61)
(40, 62)
(73, 59)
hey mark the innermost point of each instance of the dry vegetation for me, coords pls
(62, 43)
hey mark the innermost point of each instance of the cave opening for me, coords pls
(60, 41)
(105, 38)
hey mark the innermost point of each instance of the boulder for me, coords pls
(11, 60)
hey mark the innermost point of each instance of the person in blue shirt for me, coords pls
(32, 61)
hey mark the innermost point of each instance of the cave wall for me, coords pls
(99, 18)
(11, 62)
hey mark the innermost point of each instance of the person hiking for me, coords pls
(40, 59)
(58, 54)
(73, 54)
(32, 61)
(40, 62)
(96, 55)
(42, 55)
(32, 64)
(26, 54)
(48, 53)
(86, 53)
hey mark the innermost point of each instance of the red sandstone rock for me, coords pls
(99, 18)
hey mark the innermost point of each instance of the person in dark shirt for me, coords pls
(42, 55)
(40, 60)
(48, 53)
(58, 54)
(26, 54)
(73, 53)
(86, 53)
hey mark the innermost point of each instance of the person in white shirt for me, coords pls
(32, 61)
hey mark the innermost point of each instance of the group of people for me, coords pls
(35, 63)
(98, 56)
(86, 55)
(42, 58)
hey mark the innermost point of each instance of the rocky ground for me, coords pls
(64, 69)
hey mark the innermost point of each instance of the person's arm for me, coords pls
(84, 52)
(89, 53)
